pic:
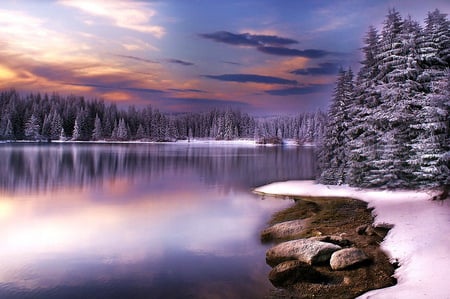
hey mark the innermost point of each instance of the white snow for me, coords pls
(419, 240)
(208, 141)
(195, 141)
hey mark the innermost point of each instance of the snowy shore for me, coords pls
(200, 141)
(419, 240)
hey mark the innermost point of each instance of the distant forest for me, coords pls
(389, 127)
(54, 117)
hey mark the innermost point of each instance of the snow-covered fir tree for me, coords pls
(8, 134)
(333, 155)
(79, 119)
(46, 127)
(122, 130)
(140, 133)
(32, 128)
(76, 134)
(97, 133)
(398, 120)
(56, 126)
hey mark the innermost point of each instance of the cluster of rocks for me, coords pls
(296, 260)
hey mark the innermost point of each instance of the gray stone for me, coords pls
(290, 272)
(284, 230)
(308, 251)
(347, 257)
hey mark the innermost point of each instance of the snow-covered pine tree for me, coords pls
(122, 130)
(228, 125)
(82, 125)
(362, 133)
(32, 128)
(429, 158)
(46, 131)
(332, 158)
(399, 129)
(56, 126)
(171, 130)
(220, 135)
(76, 134)
(62, 135)
(140, 133)
(399, 89)
(97, 133)
(435, 50)
(8, 134)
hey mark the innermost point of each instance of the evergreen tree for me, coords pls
(9, 133)
(62, 135)
(333, 153)
(56, 126)
(228, 126)
(46, 127)
(76, 134)
(97, 133)
(397, 127)
(122, 130)
(140, 134)
(429, 159)
(32, 128)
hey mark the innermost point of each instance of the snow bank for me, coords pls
(234, 142)
(419, 241)
(200, 141)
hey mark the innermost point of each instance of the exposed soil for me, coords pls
(339, 216)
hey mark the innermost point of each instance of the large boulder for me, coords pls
(284, 230)
(290, 272)
(347, 257)
(308, 251)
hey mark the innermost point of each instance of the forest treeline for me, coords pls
(389, 127)
(54, 117)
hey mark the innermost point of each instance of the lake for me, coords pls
(138, 220)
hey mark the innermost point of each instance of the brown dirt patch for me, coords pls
(339, 216)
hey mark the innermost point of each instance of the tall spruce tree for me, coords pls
(333, 153)
(398, 132)
(363, 134)
(32, 128)
(97, 133)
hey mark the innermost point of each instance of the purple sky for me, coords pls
(262, 56)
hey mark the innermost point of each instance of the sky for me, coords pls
(264, 57)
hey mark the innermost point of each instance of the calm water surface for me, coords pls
(138, 220)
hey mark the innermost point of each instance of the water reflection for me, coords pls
(136, 221)
(42, 167)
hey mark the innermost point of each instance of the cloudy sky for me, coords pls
(261, 56)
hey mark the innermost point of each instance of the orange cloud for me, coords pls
(116, 96)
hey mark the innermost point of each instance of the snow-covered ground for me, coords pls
(206, 141)
(419, 240)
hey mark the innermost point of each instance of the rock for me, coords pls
(309, 251)
(290, 272)
(361, 230)
(338, 240)
(347, 257)
(284, 230)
